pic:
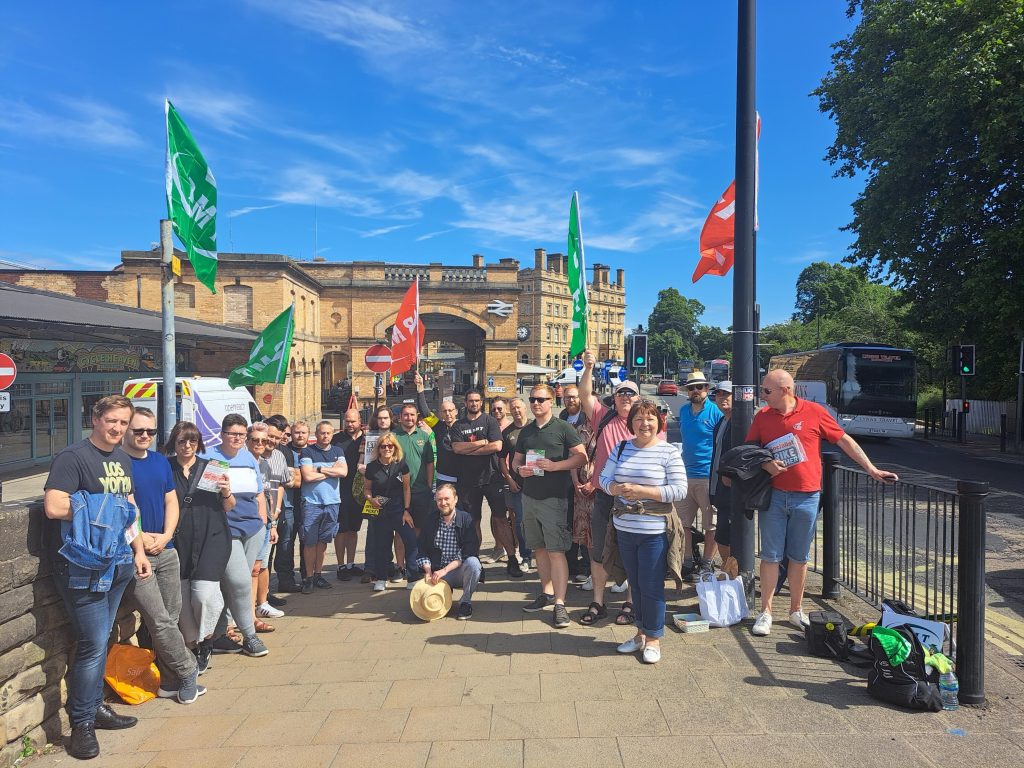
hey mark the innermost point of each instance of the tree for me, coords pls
(928, 100)
(672, 326)
(824, 288)
(713, 342)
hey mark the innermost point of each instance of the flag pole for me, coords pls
(168, 411)
(744, 298)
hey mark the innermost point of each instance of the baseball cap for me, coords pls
(724, 386)
(630, 385)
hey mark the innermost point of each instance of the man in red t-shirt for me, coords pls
(787, 526)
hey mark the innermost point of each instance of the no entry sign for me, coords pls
(8, 371)
(378, 358)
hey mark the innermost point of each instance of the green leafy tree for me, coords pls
(713, 342)
(928, 100)
(824, 289)
(672, 329)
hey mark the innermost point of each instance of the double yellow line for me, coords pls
(1005, 633)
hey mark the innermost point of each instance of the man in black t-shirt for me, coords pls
(351, 441)
(96, 465)
(476, 442)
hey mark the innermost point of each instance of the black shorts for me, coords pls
(471, 499)
(351, 518)
(722, 501)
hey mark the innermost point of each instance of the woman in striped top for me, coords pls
(645, 475)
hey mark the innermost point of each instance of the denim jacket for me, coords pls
(94, 543)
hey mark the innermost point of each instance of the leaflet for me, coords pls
(532, 456)
(243, 480)
(216, 471)
(369, 446)
(788, 449)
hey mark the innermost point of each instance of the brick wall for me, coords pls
(34, 639)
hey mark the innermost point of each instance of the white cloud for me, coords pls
(76, 121)
(230, 113)
(432, 235)
(383, 230)
(250, 209)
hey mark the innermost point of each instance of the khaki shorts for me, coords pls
(697, 497)
(544, 524)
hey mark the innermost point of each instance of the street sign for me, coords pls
(378, 358)
(607, 364)
(577, 365)
(5, 402)
(490, 382)
(623, 373)
(8, 371)
(496, 389)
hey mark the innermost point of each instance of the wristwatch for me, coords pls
(273, 523)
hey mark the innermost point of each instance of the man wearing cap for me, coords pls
(697, 422)
(720, 493)
(448, 547)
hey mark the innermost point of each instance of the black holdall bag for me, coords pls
(828, 635)
(910, 684)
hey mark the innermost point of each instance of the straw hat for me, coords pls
(696, 377)
(431, 601)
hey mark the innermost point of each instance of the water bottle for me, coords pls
(949, 690)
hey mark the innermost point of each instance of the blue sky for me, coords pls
(421, 132)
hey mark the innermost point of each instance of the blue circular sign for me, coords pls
(607, 364)
(622, 373)
(577, 365)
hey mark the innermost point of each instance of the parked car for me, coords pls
(666, 387)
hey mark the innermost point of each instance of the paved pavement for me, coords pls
(353, 678)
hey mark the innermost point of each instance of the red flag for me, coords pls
(353, 402)
(717, 238)
(408, 332)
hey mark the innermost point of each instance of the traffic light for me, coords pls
(639, 350)
(967, 406)
(966, 360)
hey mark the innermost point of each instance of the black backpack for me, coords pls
(828, 635)
(910, 684)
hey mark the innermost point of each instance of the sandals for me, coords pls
(594, 612)
(625, 616)
(234, 634)
(262, 626)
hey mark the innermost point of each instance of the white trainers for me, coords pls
(267, 611)
(763, 625)
(799, 619)
(632, 645)
(379, 585)
(525, 565)
(619, 588)
(651, 654)
(587, 585)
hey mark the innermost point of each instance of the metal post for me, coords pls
(1002, 433)
(744, 378)
(830, 525)
(168, 411)
(970, 591)
(961, 427)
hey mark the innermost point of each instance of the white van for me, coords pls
(203, 401)
(571, 376)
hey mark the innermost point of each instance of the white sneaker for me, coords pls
(632, 645)
(763, 625)
(651, 654)
(524, 565)
(267, 611)
(588, 585)
(620, 588)
(799, 619)
(379, 585)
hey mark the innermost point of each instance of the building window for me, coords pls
(238, 305)
(547, 361)
(547, 333)
(525, 359)
(184, 296)
(549, 308)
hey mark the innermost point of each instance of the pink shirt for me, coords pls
(614, 432)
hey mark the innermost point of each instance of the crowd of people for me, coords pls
(593, 490)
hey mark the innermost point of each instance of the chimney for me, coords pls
(478, 260)
(560, 263)
(620, 278)
(539, 259)
(604, 275)
(596, 283)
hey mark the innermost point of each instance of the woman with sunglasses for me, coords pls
(644, 476)
(202, 539)
(389, 495)
(258, 437)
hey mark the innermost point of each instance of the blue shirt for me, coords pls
(153, 480)
(244, 519)
(698, 438)
(328, 490)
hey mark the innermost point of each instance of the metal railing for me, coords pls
(910, 542)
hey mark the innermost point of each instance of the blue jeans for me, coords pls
(787, 526)
(466, 576)
(384, 527)
(515, 501)
(644, 556)
(92, 617)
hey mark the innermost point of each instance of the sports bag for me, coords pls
(828, 635)
(908, 683)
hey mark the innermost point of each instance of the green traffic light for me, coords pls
(966, 369)
(640, 360)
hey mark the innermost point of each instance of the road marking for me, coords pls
(1007, 621)
(1009, 650)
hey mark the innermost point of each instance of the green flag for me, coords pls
(577, 280)
(268, 360)
(191, 198)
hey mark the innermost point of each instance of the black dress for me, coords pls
(203, 539)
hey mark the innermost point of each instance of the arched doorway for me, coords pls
(335, 381)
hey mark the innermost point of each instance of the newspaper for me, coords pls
(216, 470)
(532, 455)
(788, 449)
(369, 446)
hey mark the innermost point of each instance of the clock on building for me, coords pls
(522, 333)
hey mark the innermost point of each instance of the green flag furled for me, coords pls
(191, 198)
(577, 280)
(268, 360)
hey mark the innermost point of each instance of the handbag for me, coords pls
(132, 673)
(828, 635)
(723, 602)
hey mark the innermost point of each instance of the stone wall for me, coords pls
(35, 641)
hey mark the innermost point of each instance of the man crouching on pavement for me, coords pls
(450, 549)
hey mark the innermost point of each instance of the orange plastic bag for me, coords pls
(132, 673)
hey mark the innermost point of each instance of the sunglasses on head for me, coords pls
(141, 432)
